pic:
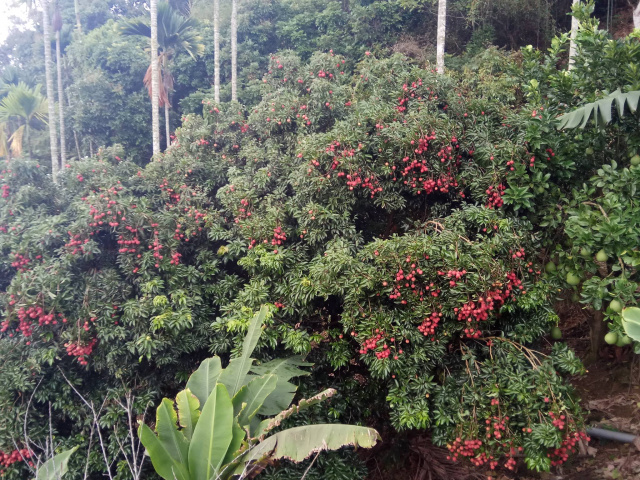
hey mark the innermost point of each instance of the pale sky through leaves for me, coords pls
(9, 9)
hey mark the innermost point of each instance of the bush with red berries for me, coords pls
(377, 209)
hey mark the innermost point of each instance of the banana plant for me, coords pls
(222, 428)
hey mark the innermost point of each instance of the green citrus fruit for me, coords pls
(585, 252)
(619, 343)
(635, 160)
(589, 151)
(550, 267)
(573, 279)
(626, 340)
(611, 338)
(556, 333)
(602, 256)
(575, 298)
(616, 306)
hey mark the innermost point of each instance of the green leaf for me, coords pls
(212, 436)
(188, 412)
(204, 379)
(162, 462)
(631, 322)
(55, 467)
(252, 397)
(176, 445)
(297, 444)
(284, 369)
(239, 435)
(234, 376)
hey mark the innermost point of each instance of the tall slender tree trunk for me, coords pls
(167, 125)
(63, 148)
(234, 50)
(636, 16)
(48, 68)
(155, 83)
(441, 35)
(572, 42)
(76, 5)
(216, 50)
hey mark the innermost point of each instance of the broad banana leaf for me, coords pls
(56, 467)
(271, 423)
(250, 397)
(601, 110)
(174, 442)
(285, 369)
(204, 379)
(297, 444)
(631, 322)
(234, 376)
(212, 436)
(188, 412)
(161, 460)
(239, 434)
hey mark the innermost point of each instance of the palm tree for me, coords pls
(48, 67)
(234, 50)
(57, 26)
(22, 110)
(155, 85)
(216, 50)
(76, 6)
(574, 31)
(441, 35)
(175, 34)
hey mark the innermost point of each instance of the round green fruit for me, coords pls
(626, 340)
(611, 338)
(619, 343)
(573, 279)
(556, 333)
(635, 160)
(616, 306)
(550, 267)
(585, 252)
(602, 256)
(589, 151)
(575, 298)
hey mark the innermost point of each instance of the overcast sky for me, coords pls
(8, 9)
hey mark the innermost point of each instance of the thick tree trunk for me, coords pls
(596, 324)
(441, 35)
(636, 16)
(48, 68)
(155, 84)
(234, 50)
(574, 32)
(76, 5)
(216, 50)
(63, 148)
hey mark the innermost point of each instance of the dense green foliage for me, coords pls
(399, 223)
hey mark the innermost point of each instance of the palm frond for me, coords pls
(601, 110)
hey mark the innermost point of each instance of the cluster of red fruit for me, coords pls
(279, 236)
(27, 318)
(560, 455)
(454, 275)
(77, 243)
(5, 191)
(174, 196)
(81, 351)
(129, 245)
(429, 324)
(8, 459)
(20, 262)
(559, 421)
(494, 199)
(175, 258)
(243, 211)
(463, 448)
(496, 426)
